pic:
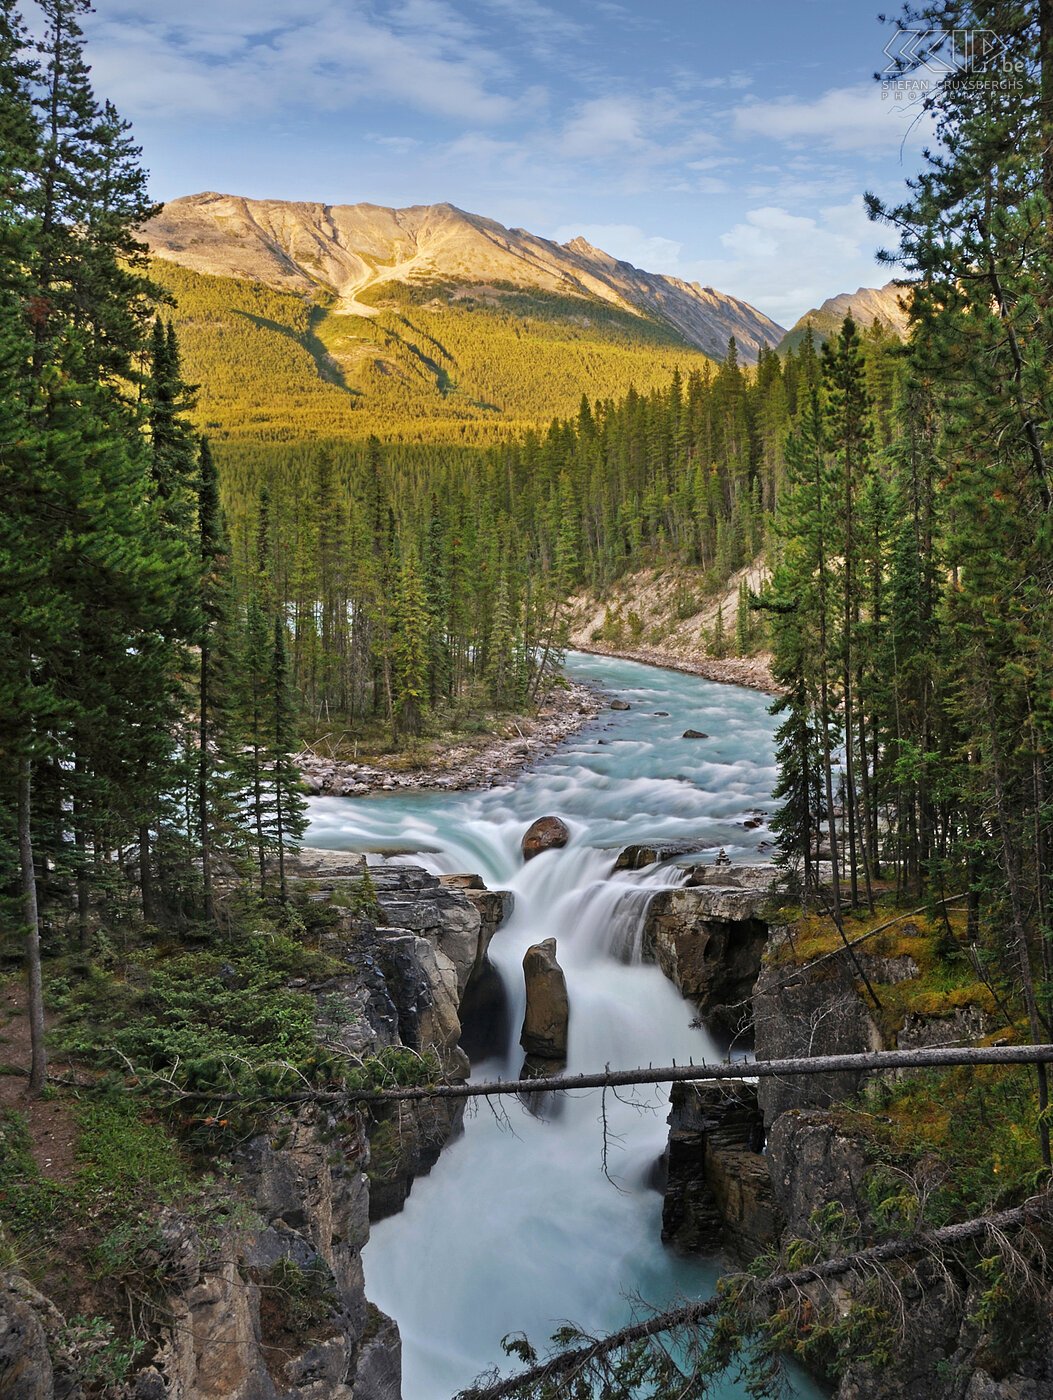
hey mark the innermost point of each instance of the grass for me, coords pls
(946, 979)
(83, 1236)
(947, 1144)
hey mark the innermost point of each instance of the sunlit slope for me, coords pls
(868, 306)
(431, 364)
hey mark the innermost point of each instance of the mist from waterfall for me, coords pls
(519, 1226)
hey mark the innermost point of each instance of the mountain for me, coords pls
(359, 253)
(866, 305)
(421, 325)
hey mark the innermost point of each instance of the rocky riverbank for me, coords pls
(476, 763)
(753, 672)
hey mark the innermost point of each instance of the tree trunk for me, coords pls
(203, 815)
(146, 875)
(39, 1063)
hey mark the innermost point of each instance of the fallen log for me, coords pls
(932, 1057)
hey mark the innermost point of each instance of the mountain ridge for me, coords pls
(352, 252)
(866, 305)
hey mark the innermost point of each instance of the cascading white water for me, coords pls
(517, 1227)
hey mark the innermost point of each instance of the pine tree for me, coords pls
(743, 621)
(410, 650)
(848, 438)
(247, 732)
(288, 820)
(213, 550)
(718, 644)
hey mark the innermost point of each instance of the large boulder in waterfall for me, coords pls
(547, 1005)
(546, 834)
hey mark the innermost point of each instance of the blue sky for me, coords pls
(724, 141)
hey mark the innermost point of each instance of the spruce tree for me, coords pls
(213, 550)
(288, 820)
(410, 650)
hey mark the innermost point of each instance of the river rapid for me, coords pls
(517, 1228)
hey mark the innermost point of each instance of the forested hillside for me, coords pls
(275, 366)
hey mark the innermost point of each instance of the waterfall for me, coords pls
(517, 1227)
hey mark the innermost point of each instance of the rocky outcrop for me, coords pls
(416, 958)
(718, 1194)
(492, 906)
(709, 940)
(638, 857)
(274, 1307)
(37, 1359)
(547, 1007)
(546, 834)
(814, 1164)
(809, 1012)
(821, 1172)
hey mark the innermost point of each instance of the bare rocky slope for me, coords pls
(667, 616)
(866, 305)
(354, 251)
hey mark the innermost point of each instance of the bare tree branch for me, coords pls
(564, 1365)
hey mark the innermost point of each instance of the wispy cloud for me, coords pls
(240, 58)
(845, 119)
(787, 263)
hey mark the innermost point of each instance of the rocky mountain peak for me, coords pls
(346, 249)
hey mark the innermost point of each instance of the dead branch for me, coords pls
(564, 1365)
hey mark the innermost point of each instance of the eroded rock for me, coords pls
(709, 940)
(718, 1194)
(547, 1016)
(638, 857)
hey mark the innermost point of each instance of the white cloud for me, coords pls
(603, 127)
(787, 263)
(846, 118)
(241, 58)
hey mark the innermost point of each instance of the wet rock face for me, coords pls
(709, 941)
(547, 1006)
(546, 834)
(638, 857)
(620, 705)
(718, 1194)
